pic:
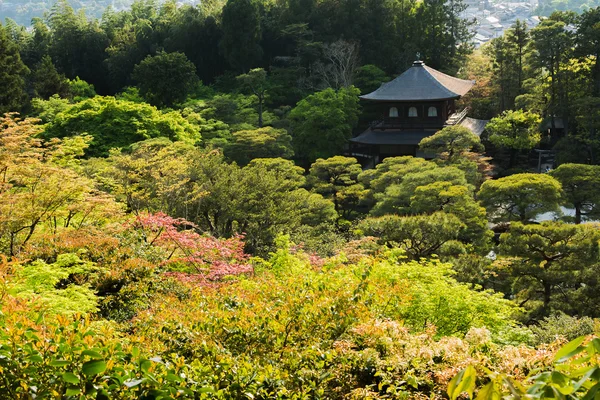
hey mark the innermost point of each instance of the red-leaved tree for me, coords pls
(211, 258)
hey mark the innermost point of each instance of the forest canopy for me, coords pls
(182, 216)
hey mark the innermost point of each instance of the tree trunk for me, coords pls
(260, 112)
(547, 295)
(513, 158)
(577, 214)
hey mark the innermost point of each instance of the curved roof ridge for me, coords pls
(456, 85)
(421, 83)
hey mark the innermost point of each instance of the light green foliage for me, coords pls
(80, 89)
(260, 200)
(118, 123)
(581, 188)
(419, 236)
(322, 123)
(236, 110)
(575, 373)
(40, 189)
(62, 286)
(165, 79)
(557, 326)
(342, 328)
(456, 200)
(46, 110)
(520, 197)
(213, 132)
(259, 143)
(397, 197)
(458, 146)
(437, 299)
(391, 171)
(336, 179)
(515, 130)
(554, 266)
(452, 141)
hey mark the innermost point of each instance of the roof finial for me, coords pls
(418, 56)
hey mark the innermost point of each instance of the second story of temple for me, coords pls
(408, 109)
(420, 98)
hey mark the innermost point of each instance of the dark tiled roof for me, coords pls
(392, 136)
(421, 83)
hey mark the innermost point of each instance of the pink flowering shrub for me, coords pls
(207, 257)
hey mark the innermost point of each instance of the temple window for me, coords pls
(393, 112)
(412, 112)
(432, 112)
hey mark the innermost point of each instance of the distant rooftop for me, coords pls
(421, 83)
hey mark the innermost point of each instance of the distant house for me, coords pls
(413, 106)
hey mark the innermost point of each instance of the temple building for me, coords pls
(415, 105)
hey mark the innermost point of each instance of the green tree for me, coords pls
(519, 37)
(118, 123)
(77, 46)
(165, 79)
(264, 142)
(520, 197)
(459, 147)
(322, 123)
(369, 77)
(501, 53)
(420, 236)
(553, 264)
(453, 141)
(80, 89)
(256, 82)
(391, 171)
(39, 188)
(241, 34)
(396, 198)
(336, 179)
(553, 44)
(441, 25)
(581, 188)
(47, 81)
(456, 200)
(509, 54)
(588, 42)
(515, 130)
(12, 78)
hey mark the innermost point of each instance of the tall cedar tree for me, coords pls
(12, 75)
(241, 34)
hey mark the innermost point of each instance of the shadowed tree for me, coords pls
(255, 82)
(551, 266)
(47, 81)
(241, 34)
(165, 79)
(12, 75)
(581, 188)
